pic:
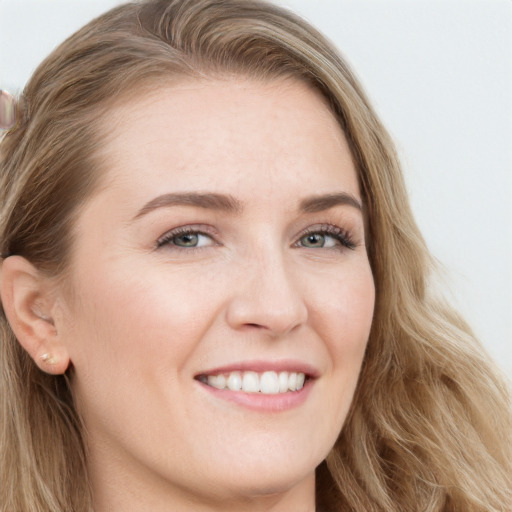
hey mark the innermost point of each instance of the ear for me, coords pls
(29, 302)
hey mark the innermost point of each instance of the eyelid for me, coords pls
(199, 229)
(343, 235)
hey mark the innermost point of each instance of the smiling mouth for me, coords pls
(265, 383)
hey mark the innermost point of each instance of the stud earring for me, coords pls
(49, 359)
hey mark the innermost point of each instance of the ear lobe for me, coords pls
(28, 302)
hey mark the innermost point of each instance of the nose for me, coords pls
(267, 297)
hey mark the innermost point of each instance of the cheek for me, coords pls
(343, 317)
(128, 297)
(342, 311)
(132, 340)
(133, 329)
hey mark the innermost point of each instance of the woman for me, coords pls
(214, 294)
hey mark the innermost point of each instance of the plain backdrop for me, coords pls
(439, 74)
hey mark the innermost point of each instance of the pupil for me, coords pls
(315, 240)
(186, 240)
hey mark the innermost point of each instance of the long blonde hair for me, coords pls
(430, 425)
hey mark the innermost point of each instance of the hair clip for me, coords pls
(7, 110)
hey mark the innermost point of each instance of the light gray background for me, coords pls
(440, 75)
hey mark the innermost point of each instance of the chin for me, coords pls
(268, 478)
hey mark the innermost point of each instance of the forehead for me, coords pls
(222, 133)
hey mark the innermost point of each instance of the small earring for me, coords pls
(49, 359)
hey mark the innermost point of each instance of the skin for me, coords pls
(139, 321)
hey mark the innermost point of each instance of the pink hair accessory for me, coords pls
(7, 110)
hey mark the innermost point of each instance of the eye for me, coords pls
(317, 240)
(185, 238)
(326, 237)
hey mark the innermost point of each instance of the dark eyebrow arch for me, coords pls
(324, 202)
(209, 201)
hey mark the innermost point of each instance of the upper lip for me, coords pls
(259, 366)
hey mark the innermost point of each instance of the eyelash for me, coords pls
(185, 230)
(341, 235)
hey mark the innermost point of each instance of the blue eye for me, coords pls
(326, 237)
(185, 239)
(316, 240)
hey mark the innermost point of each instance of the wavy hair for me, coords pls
(430, 425)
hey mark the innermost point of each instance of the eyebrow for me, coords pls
(229, 204)
(320, 203)
(208, 201)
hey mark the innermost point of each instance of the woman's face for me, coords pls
(225, 247)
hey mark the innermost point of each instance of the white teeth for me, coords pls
(235, 381)
(250, 382)
(300, 380)
(283, 382)
(217, 381)
(268, 383)
(292, 381)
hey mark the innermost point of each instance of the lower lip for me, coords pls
(262, 402)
